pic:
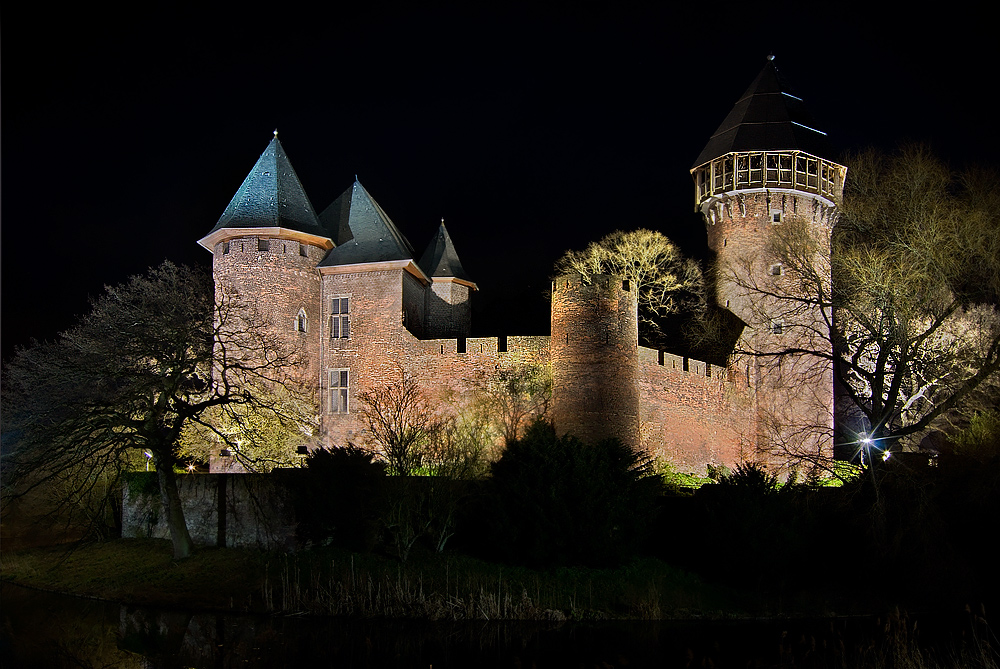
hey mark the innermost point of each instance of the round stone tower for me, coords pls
(762, 182)
(266, 247)
(595, 358)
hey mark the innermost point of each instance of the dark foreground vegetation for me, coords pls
(563, 529)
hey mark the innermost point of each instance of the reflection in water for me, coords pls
(47, 630)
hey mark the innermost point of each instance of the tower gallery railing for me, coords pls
(794, 170)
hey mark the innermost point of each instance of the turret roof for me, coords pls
(271, 197)
(440, 259)
(362, 231)
(768, 117)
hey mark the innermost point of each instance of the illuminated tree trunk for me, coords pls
(171, 502)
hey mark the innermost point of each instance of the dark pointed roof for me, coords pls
(362, 231)
(768, 117)
(271, 197)
(441, 259)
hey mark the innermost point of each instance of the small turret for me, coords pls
(595, 358)
(449, 304)
(266, 246)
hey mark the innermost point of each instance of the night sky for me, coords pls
(530, 128)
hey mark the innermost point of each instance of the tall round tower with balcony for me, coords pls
(768, 191)
(595, 358)
(265, 248)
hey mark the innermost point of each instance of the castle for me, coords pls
(348, 289)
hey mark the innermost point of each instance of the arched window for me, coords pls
(301, 321)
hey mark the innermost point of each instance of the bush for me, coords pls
(560, 501)
(341, 497)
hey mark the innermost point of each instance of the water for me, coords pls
(49, 630)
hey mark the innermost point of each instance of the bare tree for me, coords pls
(902, 305)
(399, 419)
(154, 356)
(665, 281)
(512, 395)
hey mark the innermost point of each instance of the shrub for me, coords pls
(560, 501)
(341, 497)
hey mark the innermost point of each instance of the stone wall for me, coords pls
(254, 509)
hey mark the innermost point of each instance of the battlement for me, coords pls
(518, 345)
(610, 286)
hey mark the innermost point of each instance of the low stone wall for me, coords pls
(220, 509)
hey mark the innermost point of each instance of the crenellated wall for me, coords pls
(695, 414)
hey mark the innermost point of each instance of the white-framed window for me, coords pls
(301, 321)
(777, 269)
(776, 216)
(777, 326)
(340, 317)
(339, 386)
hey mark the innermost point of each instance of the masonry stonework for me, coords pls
(595, 358)
(347, 289)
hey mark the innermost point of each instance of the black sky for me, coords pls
(530, 128)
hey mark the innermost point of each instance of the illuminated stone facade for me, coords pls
(347, 289)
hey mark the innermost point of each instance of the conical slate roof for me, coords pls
(768, 117)
(441, 259)
(362, 231)
(271, 197)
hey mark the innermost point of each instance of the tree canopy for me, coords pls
(903, 301)
(155, 356)
(666, 281)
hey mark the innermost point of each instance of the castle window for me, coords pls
(777, 327)
(302, 251)
(776, 216)
(777, 269)
(263, 244)
(225, 248)
(300, 321)
(338, 390)
(340, 318)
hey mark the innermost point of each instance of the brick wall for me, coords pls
(794, 394)
(693, 413)
(595, 336)
(449, 310)
(277, 283)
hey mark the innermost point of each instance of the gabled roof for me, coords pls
(440, 259)
(768, 117)
(271, 197)
(362, 231)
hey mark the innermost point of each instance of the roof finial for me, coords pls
(276, 133)
(442, 220)
(770, 56)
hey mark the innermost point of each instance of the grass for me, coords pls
(333, 582)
